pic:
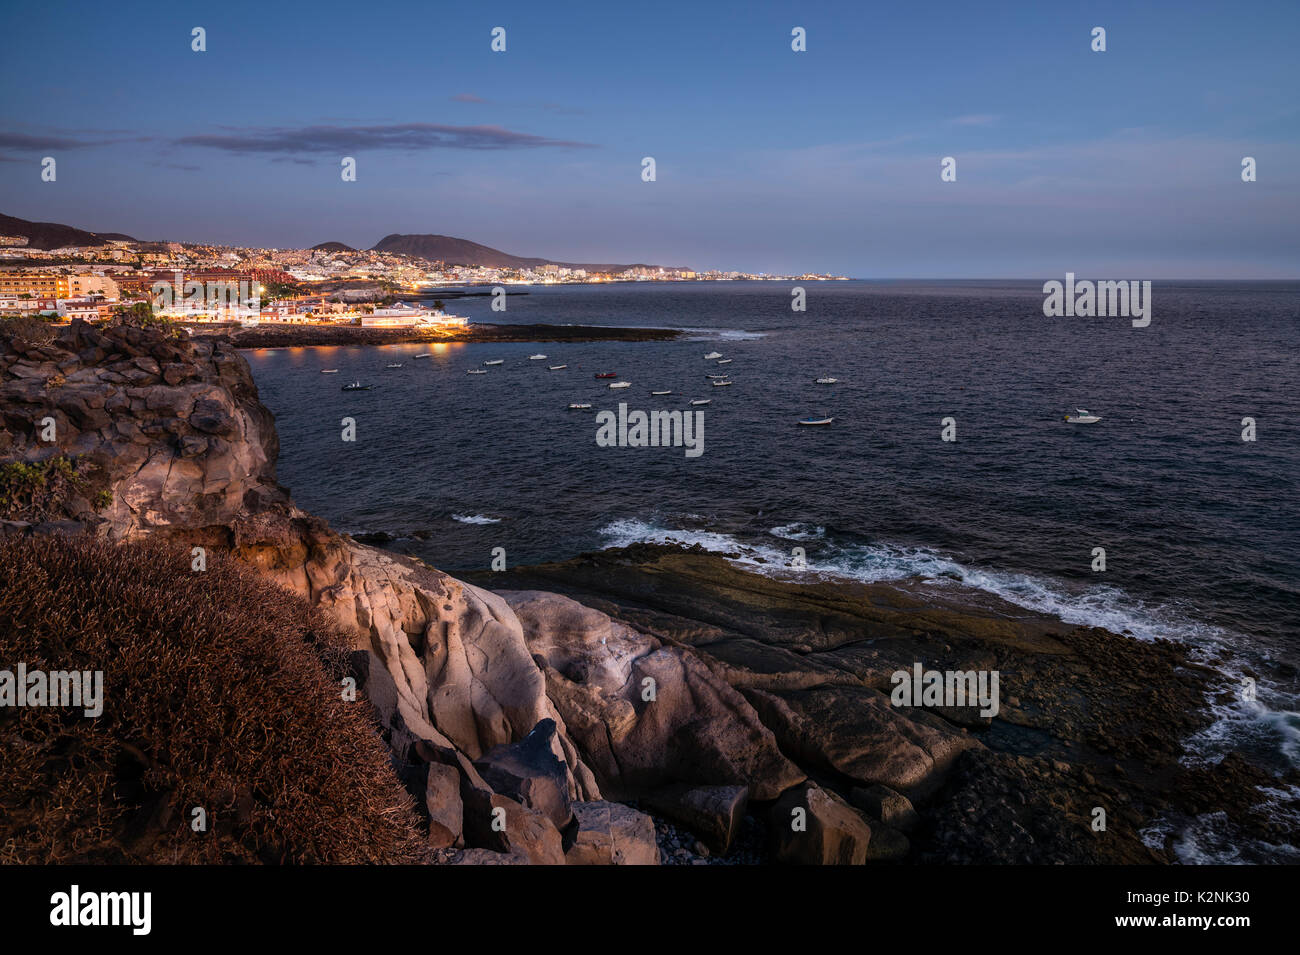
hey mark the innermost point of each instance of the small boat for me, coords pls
(827, 381)
(620, 384)
(1083, 417)
(357, 386)
(701, 401)
(396, 364)
(721, 384)
(329, 371)
(606, 374)
(556, 367)
(476, 371)
(712, 355)
(661, 392)
(815, 421)
(425, 355)
(498, 361)
(717, 376)
(579, 407)
(536, 357)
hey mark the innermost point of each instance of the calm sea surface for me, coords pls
(1201, 529)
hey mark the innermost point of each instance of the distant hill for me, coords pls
(453, 251)
(332, 247)
(52, 235)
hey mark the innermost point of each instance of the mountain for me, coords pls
(453, 251)
(332, 247)
(52, 235)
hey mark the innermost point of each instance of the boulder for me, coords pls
(813, 826)
(529, 772)
(855, 731)
(891, 808)
(445, 807)
(610, 833)
(713, 813)
(645, 715)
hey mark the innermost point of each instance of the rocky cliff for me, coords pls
(167, 439)
(721, 701)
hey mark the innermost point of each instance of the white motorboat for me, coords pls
(661, 392)
(701, 401)
(620, 384)
(1083, 417)
(329, 371)
(536, 357)
(476, 371)
(425, 355)
(579, 407)
(827, 381)
(721, 384)
(815, 421)
(725, 361)
(717, 376)
(498, 361)
(556, 367)
(396, 364)
(712, 355)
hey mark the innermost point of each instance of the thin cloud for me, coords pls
(402, 136)
(975, 119)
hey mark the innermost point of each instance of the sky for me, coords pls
(1123, 164)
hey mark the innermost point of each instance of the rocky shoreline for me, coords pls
(637, 706)
(292, 335)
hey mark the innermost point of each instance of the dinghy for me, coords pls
(556, 367)
(476, 371)
(1083, 417)
(815, 421)
(497, 361)
(620, 384)
(717, 376)
(661, 392)
(579, 407)
(396, 364)
(827, 381)
(536, 357)
(725, 361)
(329, 371)
(606, 374)
(701, 401)
(356, 386)
(425, 355)
(712, 355)
(721, 384)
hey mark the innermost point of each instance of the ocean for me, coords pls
(1200, 529)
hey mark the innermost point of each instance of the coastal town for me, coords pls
(330, 284)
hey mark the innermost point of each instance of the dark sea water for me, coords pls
(1201, 530)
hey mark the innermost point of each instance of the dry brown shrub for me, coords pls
(220, 691)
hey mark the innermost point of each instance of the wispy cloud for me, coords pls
(401, 136)
(975, 119)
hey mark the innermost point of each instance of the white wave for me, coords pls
(475, 519)
(723, 334)
(798, 531)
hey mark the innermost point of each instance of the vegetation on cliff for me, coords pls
(221, 692)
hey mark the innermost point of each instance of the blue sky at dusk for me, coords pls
(1122, 164)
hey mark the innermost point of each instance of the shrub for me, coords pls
(221, 691)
